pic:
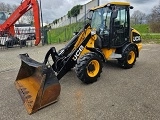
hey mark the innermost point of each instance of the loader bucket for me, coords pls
(37, 84)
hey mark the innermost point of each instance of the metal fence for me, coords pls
(65, 33)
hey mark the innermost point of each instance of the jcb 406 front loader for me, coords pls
(109, 36)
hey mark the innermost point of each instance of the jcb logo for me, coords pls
(78, 52)
(136, 39)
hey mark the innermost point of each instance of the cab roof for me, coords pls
(112, 3)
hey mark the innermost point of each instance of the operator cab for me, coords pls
(3, 16)
(112, 24)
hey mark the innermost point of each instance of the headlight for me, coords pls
(93, 32)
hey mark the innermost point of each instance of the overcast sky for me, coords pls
(53, 9)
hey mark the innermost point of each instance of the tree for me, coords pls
(2, 6)
(11, 8)
(148, 18)
(74, 11)
(55, 21)
(69, 14)
(7, 7)
(154, 19)
(29, 16)
(138, 17)
(14, 7)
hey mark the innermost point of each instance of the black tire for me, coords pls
(9, 44)
(89, 67)
(128, 58)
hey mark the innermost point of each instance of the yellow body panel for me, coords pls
(134, 30)
(120, 3)
(90, 43)
(108, 52)
(139, 45)
(82, 36)
(110, 3)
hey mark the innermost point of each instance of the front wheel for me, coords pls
(129, 58)
(89, 67)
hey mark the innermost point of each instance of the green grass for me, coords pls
(142, 28)
(151, 37)
(63, 34)
(147, 36)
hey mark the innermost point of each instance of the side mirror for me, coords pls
(131, 7)
(114, 14)
(89, 15)
(89, 18)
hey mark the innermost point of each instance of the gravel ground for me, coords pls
(118, 94)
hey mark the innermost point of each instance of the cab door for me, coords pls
(120, 27)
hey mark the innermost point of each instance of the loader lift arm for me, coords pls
(63, 64)
(25, 6)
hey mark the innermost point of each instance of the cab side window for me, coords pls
(122, 17)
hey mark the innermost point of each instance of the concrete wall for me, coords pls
(66, 21)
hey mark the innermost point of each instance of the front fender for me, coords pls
(98, 51)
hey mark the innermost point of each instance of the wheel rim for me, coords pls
(93, 68)
(131, 57)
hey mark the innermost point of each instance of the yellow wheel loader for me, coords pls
(108, 36)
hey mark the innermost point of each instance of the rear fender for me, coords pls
(130, 45)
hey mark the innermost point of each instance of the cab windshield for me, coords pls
(101, 18)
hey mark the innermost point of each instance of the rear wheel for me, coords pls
(89, 67)
(129, 58)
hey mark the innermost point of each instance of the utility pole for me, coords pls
(98, 2)
(41, 22)
(85, 14)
